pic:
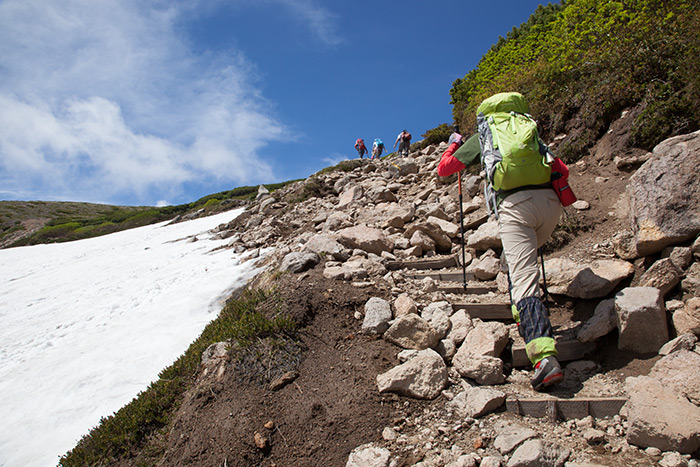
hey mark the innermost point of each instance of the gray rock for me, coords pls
(665, 185)
(369, 455)
(351, 194)
(663, 274)
(660, 417)
(687, 319)
(486, 236)
(641, 319)
(365, 238)
(461, 326)
(422, 377)
(404, 305)
(679, 371)
(422, 240)
(377, 316)
(336, 221)
(436, 314)
(325, 244)
(476, 402)
(434, 231)
(482, 369)
(691, 283)
(486, 339)
(680, 256)
(450, 229)
(673, 459)
(512, 437)
(593, 436)
(683, 342)
(538, 453)
(490, 461)
(603, 321)
(412, 332)
(594, 280)
(299, 261)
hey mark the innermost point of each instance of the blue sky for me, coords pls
(154, 102)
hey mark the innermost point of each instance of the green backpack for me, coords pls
(510, 145)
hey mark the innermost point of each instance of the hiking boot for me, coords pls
(547, 373)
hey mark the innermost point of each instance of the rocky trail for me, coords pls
(403, 363)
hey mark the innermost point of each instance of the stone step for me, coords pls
(475, 219)
(568, 350)
(445, 276)
(429, 263)
(566, 409)
(486, 311)
(471, 289)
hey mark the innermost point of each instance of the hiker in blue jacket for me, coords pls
(377, 148)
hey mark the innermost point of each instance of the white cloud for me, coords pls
(320, 20)
(102, 99)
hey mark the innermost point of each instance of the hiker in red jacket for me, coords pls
(526, 218)
(360, 147)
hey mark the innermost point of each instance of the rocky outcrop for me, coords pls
(665, 197)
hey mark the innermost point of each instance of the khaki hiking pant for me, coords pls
(526, 219)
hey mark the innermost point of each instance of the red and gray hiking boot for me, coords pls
(547, 373)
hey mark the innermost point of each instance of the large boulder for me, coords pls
(486, 236)
(592, 280)
(422, 377)
(663, 188)
(365, 238)
(641, 319)
(679, 371)
(299, 261)
(325, 244)
(477, 401)
(660, 417)
(412, 332)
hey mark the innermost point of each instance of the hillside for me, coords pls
(309, 395)
(35, 222)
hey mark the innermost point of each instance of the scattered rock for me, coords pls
(660, 417)
(424, 376)
(641, 319)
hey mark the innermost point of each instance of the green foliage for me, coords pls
(128, 429)
(344, 166)
(436, 135)
(582, 62)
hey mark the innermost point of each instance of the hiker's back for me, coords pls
(510, 143)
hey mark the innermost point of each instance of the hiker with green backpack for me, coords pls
(525, 189)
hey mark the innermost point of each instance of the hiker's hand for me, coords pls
(458, 139)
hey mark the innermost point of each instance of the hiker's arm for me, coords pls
(449, 164)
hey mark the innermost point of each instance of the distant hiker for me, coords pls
(360, 147)
(377, 148)
(405, 139)
(455, 137)
(526, 207)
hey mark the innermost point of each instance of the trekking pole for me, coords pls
(544, 277)
(461, 229)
